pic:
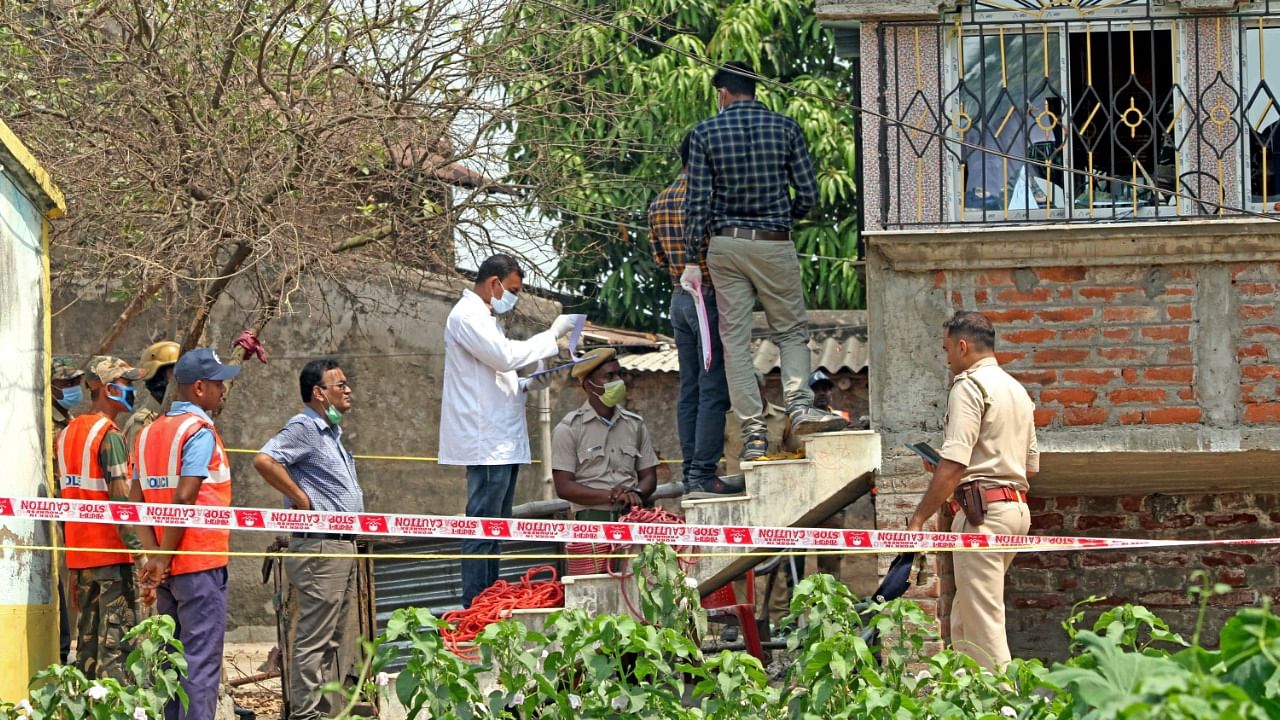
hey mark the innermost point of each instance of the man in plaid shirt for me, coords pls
(742, 164)
(704, 395)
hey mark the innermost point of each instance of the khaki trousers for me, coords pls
(977, 612)
(326, 591)
(769, 271)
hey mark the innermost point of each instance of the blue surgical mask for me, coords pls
(71, 397)
(125, 395)
(505, 302)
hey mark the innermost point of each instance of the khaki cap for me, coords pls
(160, 354)
(592, 360)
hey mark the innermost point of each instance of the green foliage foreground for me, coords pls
(1128, 665)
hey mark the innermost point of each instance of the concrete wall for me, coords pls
(389, 337)
(1150, 351)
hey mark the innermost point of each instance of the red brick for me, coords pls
(1173, 333)
(1119, 334)
(1042, 561)
(1013, 295)
(1038, 602)
(1008, 316)
(1131, 503)
(1047, 521)
(994, 277)
(1068, 396)
(1109, 294)
(1179, 312)
(1062, 274)
(1008, 358)
(1256, 330)
(1180, 356)
(1240, 269)
(1188, 393)
(1185, 374)
(1130, 375)
(1064, 293)
(1100, 522)
(1078, 334)
(1035, 377)
(939, 279)
(1033, 336)
(1132, 417)
(1235, 598)
(1090, 377)
(1262, 413)
(1230, 520)
(1124, 353)
(1064, 502)
(1251, 351)
(1084, 416)
(1164, 598)
(1182, 273)
(1179, 291)
(957, 299)
(1254, 312)
(1255, 288)
(1103, 559)
(1036, 504)
(980, 296)
(1224, 558)
(1172, 415)
(1128, 314)
(1136, 395)
(1231, 576)
(1068, 581)
(1168, 522)
(1044, 416)
(1071, 314)
(1060, 356)
(1259, 372)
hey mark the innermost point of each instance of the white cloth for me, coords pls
(482, 413)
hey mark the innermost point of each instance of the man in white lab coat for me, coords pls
(482, 414)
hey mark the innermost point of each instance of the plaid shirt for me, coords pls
(740, 165)
(666, 231)
(312, 451)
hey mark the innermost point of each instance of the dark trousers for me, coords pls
(490, 491)
(326, 592)
(197, 602)
(704, 394)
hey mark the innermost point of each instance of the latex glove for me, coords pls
(542, 382)
(691, 279)
(563, 325)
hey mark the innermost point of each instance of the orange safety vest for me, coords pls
(159, 458)
(81, 477)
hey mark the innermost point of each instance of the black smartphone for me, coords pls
(926, 451)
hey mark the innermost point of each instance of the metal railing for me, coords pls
(1025, 111)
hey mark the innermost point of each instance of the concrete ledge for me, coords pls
(841, 10)
(1150, 243)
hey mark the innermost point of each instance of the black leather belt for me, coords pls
(324, 536)
(754, 234)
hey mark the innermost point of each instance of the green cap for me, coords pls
(65, 369)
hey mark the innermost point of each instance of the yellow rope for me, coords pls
(408, 458)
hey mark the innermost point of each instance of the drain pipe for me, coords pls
(544, 452)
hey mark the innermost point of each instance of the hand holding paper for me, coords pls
(691, 279)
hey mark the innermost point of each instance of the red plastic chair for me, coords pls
(723, 602)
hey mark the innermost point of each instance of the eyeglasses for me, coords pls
(344, 385)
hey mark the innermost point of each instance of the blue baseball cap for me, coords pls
(202, 364)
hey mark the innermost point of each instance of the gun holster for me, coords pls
(973, 501)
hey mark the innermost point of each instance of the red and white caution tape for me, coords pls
(452, 526)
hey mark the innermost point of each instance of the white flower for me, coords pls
(518, 698)
(139, 713)
(960, 672)
(690, 582)
(575, 702)
(620, 703)
(97, 692)
(684, 603)
(382, 679)
(1008, 712)
(924, 675)
(25, 707)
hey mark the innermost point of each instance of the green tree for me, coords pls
(597, 116)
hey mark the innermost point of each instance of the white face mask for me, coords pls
(505, 302)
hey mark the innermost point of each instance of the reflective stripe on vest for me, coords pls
(82, 477)
(159, 460)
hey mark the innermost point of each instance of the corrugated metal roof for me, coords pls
(837, 340)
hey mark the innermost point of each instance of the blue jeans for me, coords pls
(704, 394)
(198, 604)
(490, 492)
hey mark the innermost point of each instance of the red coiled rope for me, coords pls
(496, 603)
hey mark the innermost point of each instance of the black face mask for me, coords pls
(157, 384)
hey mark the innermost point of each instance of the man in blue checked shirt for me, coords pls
(308, 464)
(742, 166)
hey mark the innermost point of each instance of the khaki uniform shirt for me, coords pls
(141, 418)
(990, 427)
(775, 422)
(602, 456)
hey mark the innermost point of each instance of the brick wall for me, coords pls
(1094, 346)
(1258, 343)
(1042, 587)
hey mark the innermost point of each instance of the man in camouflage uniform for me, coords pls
(157, 369)
(104, 588)
(65, 381)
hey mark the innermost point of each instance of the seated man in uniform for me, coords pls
(602, 457)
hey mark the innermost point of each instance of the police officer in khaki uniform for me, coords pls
(990, 439)
(157, 369)
(602, 457)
